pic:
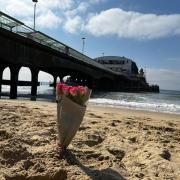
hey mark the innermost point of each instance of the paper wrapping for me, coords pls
(69, 118)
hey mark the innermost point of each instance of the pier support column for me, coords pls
(94, 84)
(14, 81)
(34, 81)
(54, 82)
(61, 77)
(1, 74)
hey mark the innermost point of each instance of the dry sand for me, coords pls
(110, 144)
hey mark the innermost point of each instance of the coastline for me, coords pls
(125, 110)
(111, 143)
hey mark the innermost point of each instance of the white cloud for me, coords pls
(81, 8)
(48, 20)
(72, 25)
(46, 11)
(19, 8)
(65, 4)
(73, 15)
(73, 21)
(56, 4)
(165, 78)
(130, 24)
(49, 14)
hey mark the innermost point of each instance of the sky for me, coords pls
(146, 31)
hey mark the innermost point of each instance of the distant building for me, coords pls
(118, 64)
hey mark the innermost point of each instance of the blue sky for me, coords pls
(147, 31)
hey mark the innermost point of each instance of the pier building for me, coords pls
(119, 64)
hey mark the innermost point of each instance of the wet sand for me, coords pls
(110, 144)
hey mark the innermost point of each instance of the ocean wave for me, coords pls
(149, 106)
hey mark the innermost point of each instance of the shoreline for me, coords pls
(111, 143)
(90, 105)
(164, 102)
(138, 111)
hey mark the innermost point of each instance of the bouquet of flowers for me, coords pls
(71, 107)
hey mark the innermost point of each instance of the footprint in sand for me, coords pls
(4, 135)
(82, 128)
(94, 122)
(130, 118)
(27, 164)
(97, 156)
(13, 151)
(118, 153)
(94, 140)
(115, 123)
(92, 156)
(132, 139)
(58, 175)
(94, 115)
(165, 154)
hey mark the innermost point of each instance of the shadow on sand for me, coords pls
(105, 174)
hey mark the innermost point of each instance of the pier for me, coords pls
(22, 46)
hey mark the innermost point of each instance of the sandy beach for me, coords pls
(110, 144)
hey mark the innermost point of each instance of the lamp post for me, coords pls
(83, 41)
(35, 2)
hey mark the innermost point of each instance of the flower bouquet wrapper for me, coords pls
(69, 118)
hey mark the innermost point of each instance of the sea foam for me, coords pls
(149, 106)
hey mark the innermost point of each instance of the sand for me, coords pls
(110, 144)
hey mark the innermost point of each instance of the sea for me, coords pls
(167, 101)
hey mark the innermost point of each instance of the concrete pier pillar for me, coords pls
(1, 74)
(14, 81)
(61, 77)
(54, 82)
(34, 81)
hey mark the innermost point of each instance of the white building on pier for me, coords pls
(119, 64)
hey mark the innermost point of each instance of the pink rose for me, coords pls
(78, 94)
(82, 90)
(65, 89)
(59, 88)
(73, 91)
